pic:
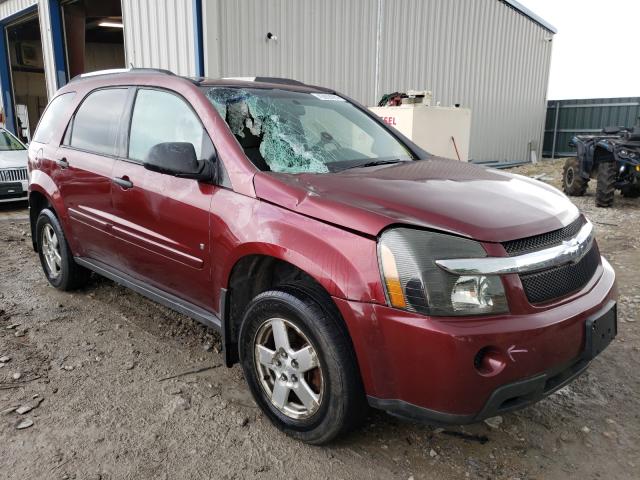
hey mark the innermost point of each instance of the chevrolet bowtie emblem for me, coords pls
(574, 249)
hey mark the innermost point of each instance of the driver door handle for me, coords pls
(62, 163)
(123, 182)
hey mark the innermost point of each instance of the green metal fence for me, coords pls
(566, 118)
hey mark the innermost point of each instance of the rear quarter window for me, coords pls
(96, 124)
(54, 113)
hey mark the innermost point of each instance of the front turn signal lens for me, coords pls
(391, 278)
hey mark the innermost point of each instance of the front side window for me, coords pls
(9, 142)
(161, 117)
(52, 115)
(296, 132)
(97, 122)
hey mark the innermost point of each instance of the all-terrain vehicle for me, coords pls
(613, 157)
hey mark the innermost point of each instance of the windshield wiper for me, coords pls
(375, 163)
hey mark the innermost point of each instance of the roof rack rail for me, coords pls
(279, 80)
(121, 70)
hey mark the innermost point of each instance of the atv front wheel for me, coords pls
(572, 182)
(606, 184)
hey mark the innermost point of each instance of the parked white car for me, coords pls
(13, 168)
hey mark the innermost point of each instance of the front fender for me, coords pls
(343, 262)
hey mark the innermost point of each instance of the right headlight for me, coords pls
(414, 282)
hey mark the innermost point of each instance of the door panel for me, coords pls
(161, 222)
(85, 188)
(85, 166)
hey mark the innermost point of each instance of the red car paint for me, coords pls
(185, 237)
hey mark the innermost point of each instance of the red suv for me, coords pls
(342, 264)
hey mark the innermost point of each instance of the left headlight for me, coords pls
(414, 282)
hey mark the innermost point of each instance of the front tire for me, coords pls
(606, 184)
(300, 366)
(572, 182)
(55, 256)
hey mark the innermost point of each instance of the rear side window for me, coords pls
(160, 117)
(97, 122)
(52, 115)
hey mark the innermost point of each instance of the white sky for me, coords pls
(595, 53)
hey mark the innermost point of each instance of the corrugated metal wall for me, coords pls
(575, 117)
(480, 53)
(10, 7)
(330, 43)
(159, 34)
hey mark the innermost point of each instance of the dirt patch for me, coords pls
(94, 365)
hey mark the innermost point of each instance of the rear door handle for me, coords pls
(63, 163)
(123, 182)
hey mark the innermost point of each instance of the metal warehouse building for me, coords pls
(491, 56)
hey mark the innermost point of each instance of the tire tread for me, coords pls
(606, 184)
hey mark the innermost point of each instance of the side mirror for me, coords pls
(178, 159)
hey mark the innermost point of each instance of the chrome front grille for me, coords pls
(546, 240)
(560, 281)
(13, 174)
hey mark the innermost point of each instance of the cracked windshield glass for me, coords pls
(296, 132)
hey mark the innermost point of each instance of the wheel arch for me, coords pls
(260, 271)
(43, 193)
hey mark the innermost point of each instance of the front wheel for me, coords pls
(572, 182)
(300, 366)
(606, 184)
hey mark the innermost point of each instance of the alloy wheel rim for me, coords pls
(51, 251)
(288, 368)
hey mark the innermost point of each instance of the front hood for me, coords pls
(457, 197)
(13, 159)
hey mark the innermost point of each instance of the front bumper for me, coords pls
(14, 191)
(425, 368)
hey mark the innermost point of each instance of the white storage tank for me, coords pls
(441, 131)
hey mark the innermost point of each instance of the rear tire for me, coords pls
(314, 397)
(606, 184)
(572, 182)
(55, 255)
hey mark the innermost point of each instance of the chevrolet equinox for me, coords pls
(342, 265)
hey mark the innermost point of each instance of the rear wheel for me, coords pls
(606, 184)
(572, 182)
(300, 366)
(55, 256)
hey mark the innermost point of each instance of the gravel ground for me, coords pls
(106, 374)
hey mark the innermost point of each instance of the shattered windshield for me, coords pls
(294, 132)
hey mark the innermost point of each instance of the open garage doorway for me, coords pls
(93, 35)
(27, 74)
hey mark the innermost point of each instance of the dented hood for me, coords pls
(457, 197)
